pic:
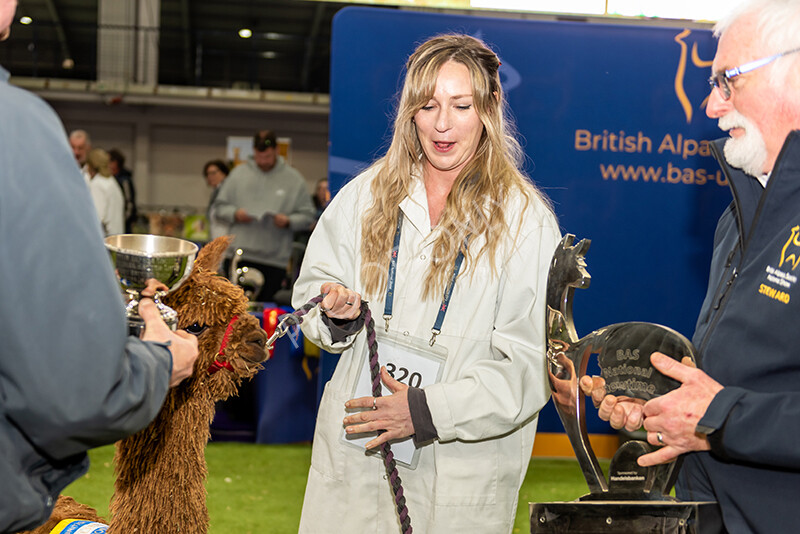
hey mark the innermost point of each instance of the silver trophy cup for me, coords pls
(142, 259)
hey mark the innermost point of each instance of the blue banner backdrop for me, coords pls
(612, 121)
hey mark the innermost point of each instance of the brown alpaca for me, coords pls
(161, 471)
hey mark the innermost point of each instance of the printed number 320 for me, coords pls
(413, 379)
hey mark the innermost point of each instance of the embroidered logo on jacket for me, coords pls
(791, 250)
(780, 279)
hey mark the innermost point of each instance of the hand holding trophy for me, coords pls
(153, 265)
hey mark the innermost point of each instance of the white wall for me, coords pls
(166, 147)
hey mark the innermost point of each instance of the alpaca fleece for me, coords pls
(161, 470)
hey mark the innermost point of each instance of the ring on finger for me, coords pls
(659, 438)
(374, 403)
(348, 303)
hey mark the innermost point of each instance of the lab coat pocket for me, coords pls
(328, 456)
(466, 473)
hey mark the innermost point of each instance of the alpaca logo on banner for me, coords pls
(680, 74)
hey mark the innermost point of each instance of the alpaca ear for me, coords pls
(210, 256)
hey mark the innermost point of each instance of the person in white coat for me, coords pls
(444, 221)
(109, 202)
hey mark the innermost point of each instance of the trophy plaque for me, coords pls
(143, 260)
(633, 498)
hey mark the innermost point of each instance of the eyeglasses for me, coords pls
(721, 80)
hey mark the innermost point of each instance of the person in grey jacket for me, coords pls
(70, 377)
(266, 201)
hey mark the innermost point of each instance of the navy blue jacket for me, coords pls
(748, 339)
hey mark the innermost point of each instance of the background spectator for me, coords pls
(124, 178)
(106, 193)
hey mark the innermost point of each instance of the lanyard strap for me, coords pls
(392, 276)
(387, 308)
(448, 293)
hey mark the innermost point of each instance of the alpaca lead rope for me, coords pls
(295, 318)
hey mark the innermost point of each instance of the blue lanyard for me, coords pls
(392, 276)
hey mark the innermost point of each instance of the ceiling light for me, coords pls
(245, 33)
(25, 20)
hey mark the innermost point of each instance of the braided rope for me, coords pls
(386, 449)
(374, 368)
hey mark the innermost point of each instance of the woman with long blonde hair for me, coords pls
(451, 243)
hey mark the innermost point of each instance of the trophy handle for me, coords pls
(135, 321)
(566, 364)
(169, 315)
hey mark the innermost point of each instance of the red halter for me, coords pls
(218, 365)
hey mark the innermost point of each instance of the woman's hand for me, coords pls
(340, 302)
(620, 411)
(389, 413)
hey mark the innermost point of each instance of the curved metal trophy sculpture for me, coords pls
(139, 259)
(623, 352)
(634, 499)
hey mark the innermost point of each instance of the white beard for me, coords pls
(748, 152)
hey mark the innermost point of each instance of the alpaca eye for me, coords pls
(196, 329)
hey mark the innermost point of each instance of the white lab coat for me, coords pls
(493, 385)
(109, 203)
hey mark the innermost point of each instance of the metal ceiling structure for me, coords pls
(198, 42)
(173, 48)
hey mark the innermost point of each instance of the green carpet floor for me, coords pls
(258, 489)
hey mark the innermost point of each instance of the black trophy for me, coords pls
(633, 498)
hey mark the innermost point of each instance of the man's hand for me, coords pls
(152, 287)
(281, 220)
(673, 417)
(241, 216)
(183, 345)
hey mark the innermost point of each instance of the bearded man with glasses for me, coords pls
(738, 416)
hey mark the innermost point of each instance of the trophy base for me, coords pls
(135, 327)
(625, 517)
(136, 323)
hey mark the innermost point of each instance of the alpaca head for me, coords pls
(231, 342)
